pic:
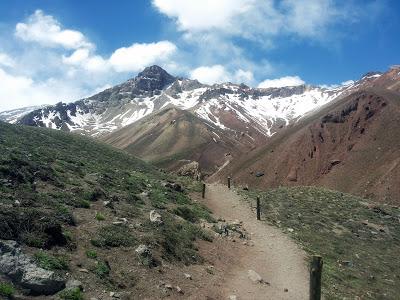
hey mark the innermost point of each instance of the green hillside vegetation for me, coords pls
(359, 241)
(69, 194)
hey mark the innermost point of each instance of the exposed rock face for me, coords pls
(21, 269)
(191, 169)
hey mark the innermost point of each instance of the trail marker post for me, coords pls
(315, 277)
(258, 209)
(229, 182)
(203, 193)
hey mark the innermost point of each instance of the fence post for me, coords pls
(229, 182)
(258, 209)
(203, 191)
(315, 277)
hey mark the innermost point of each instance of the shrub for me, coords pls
(50, 262)
(84, 203)
(6, 289)
(72, 294)
(102, 269)
(113, 236)
(186, 213)
(91, 254)
(31, 226)
(100, 217)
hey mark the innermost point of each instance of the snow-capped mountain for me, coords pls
(12, 116)
(257, 112)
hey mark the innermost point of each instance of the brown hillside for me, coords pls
(352, 145)
(174, 137)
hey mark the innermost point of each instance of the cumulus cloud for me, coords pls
(20, 91)
(258, 18)
(139, 56)
(219, 74)
(281, 82)
(202, 15)
(48, 32)
(62, 64)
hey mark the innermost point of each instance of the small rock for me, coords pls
(155, 217)
(286, 290)
(255, 277)
(83, 270)
(188, 276)
(118, 223)
(168, 286)
(179, 290)
(290, 229)
(232, 297)
(260, 174)
(108, 204)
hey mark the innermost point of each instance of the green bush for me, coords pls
(186, 213)
(91, 254)
(178, 240)
(72, 294)
(6, 290)
(113, 236)
(84, 203)
(100, 217)
(50, 262)
(102, 269)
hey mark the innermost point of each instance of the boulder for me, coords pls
(191, 169)
(23, 271)
(155, 217)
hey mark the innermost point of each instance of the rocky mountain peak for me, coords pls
(153, 78)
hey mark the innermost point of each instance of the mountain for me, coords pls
(227, 106)
(351, 145)
(173, 138)
(12, 116)
(216, 123)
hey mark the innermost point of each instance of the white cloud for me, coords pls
(202, 15)
(6, 60)
(62, 65)
(47, 31)
(281, 82)
(210, 75)
(257, 18)
(20, 91)
(139, 56)
(218, 74)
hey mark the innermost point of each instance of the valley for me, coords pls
(95, 221)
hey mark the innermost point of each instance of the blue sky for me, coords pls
(62, 50)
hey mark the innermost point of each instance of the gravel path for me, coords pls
(274, 256)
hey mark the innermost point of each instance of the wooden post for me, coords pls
(229, 182)
(315, 277)
(204, 191)
(258, 209)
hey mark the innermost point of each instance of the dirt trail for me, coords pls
(274, 256)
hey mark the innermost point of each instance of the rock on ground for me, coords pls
(23, 271)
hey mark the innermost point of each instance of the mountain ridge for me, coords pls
(154, 89)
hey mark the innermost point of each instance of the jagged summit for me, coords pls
(153, 78)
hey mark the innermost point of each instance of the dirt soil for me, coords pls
(269, 252)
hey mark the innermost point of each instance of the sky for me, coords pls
(64, 50)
